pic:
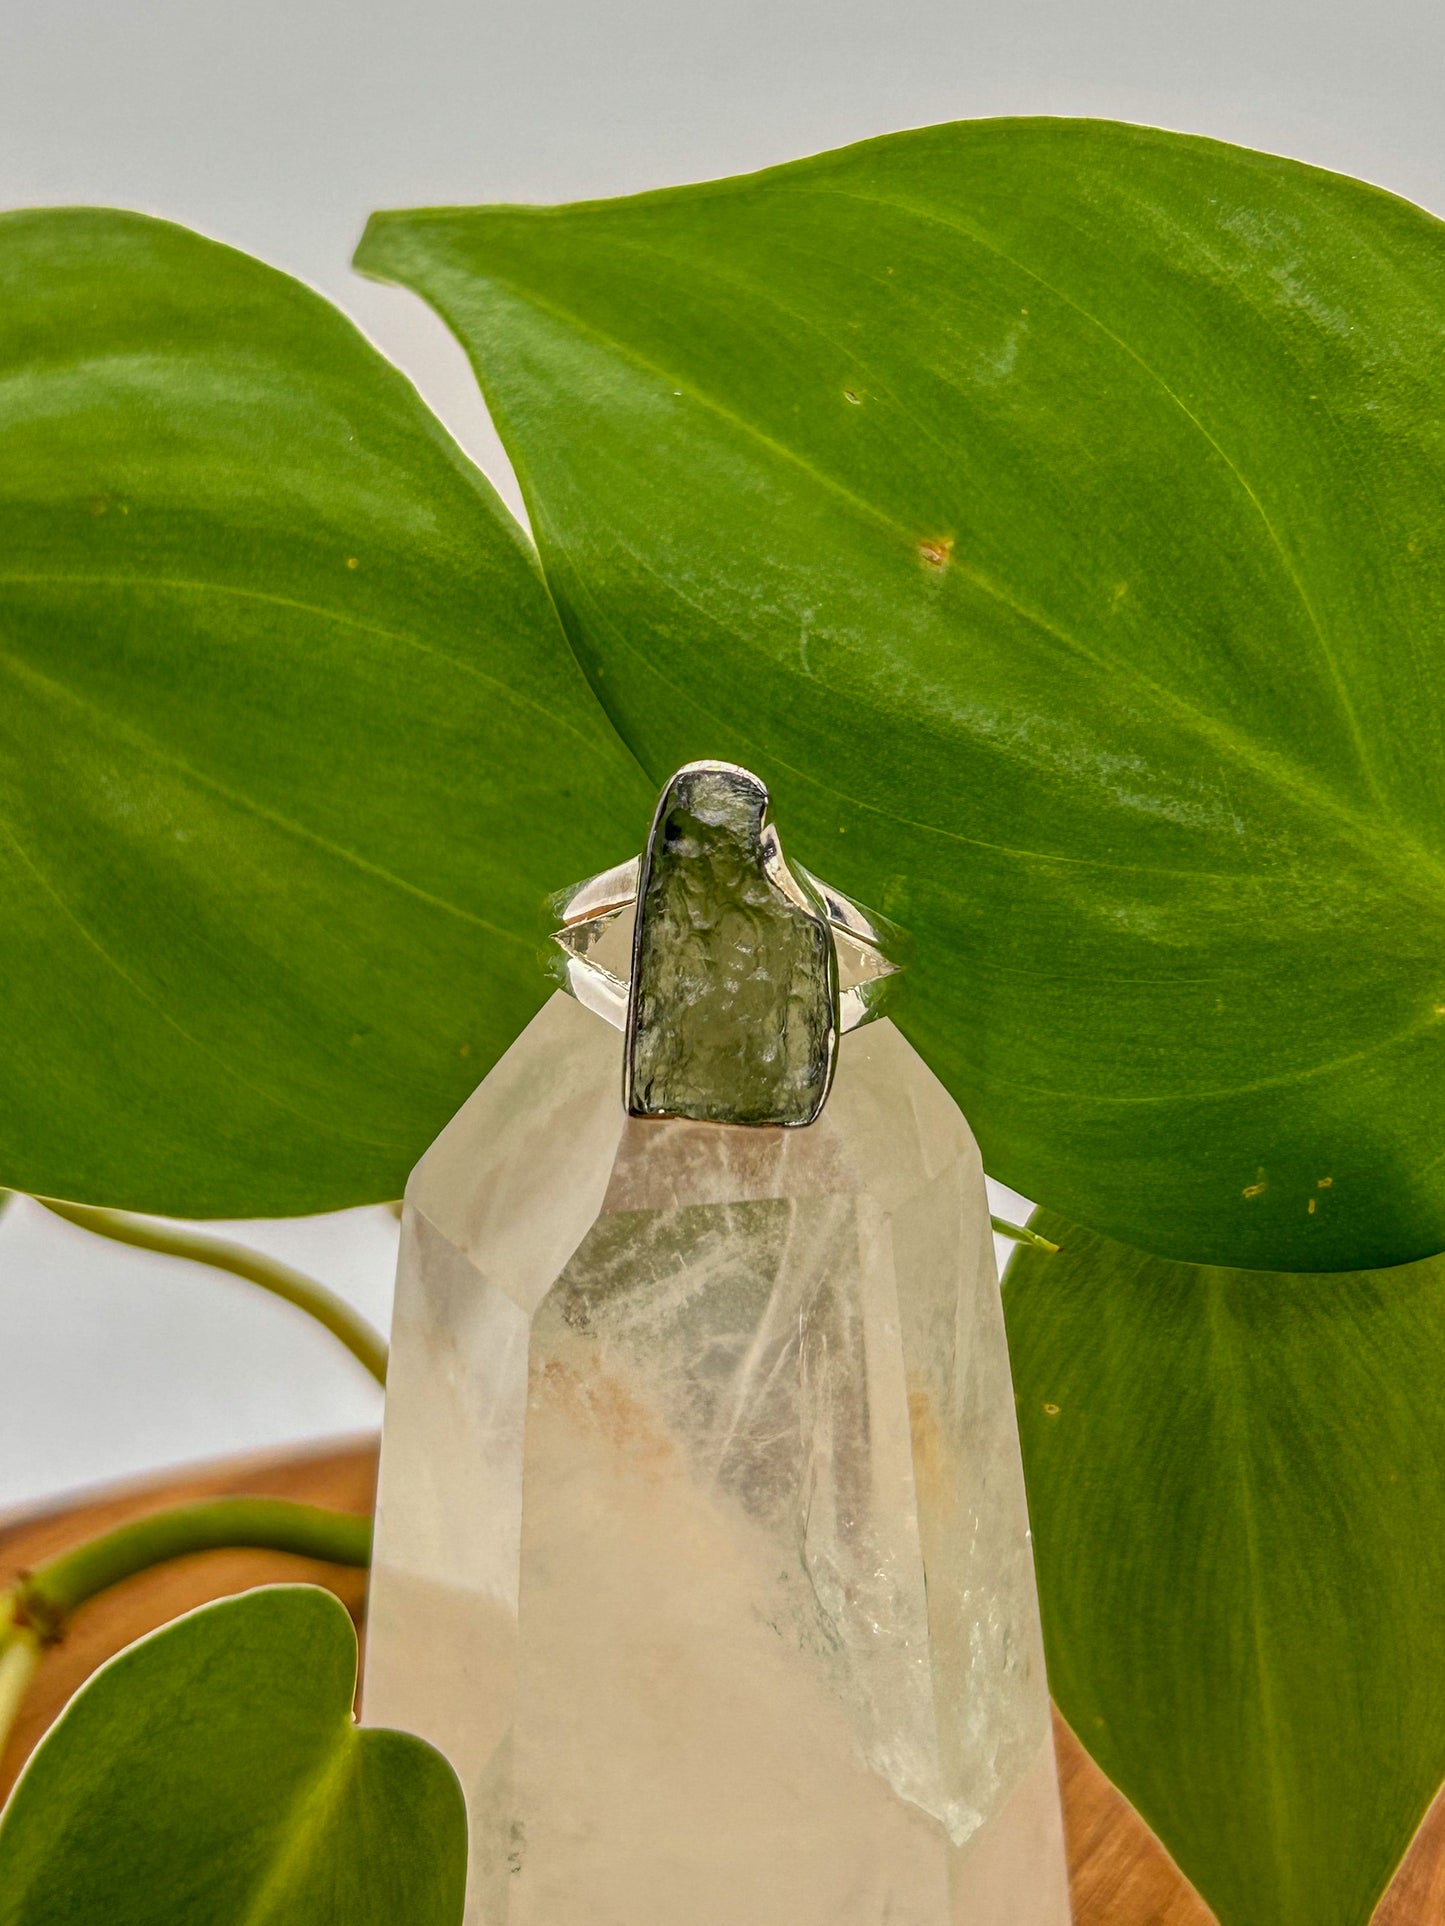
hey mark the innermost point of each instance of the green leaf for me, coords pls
(291, 745)
(1051, 511)
(1237, 1487)
(212, 1776)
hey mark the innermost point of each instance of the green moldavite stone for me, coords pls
(734, 984)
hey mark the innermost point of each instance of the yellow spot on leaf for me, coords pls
(1254, 1190)
(848, 395)
(1313, 1201)
(1051, 1411)
(465, 1051)
(937, 553)
(351, 562)
(1324, 1183)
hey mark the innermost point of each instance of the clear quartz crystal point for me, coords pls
(702, 1550)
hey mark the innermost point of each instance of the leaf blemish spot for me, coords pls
(857, 400)
(1324, 1183)
(1051, 1411)
(1312, 1203)
(1254, 1190)
(937, 553)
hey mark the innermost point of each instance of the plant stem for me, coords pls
(36, 1608)
(293, 1286)
(1022, 1235)
(48, 1596)
(19, 1662)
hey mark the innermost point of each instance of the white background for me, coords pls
(277, 125)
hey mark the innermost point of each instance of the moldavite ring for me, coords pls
(702, 1546)
(731, 974)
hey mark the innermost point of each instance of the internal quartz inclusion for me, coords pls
(701, 1542)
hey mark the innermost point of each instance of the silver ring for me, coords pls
(601, 939)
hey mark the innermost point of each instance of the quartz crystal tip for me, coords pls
(702, 1550)
(733, 1014)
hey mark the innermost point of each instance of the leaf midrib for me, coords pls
(313, 1805)
(342, 617)
(138, 739)
(1382, 850)
(327, 1125)
(1247, 876)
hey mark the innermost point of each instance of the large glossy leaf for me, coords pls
(1051, 511)
(291, 744)
(211, 1776)
(1237, 1486)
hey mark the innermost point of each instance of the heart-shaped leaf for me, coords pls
(212, 1776)
(1052, 512)
(292, 747)
(1237, 1487)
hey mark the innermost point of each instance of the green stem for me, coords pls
(48, 1596)
(293, 1286)
(35, 1610)
(1022, 1235)
(19, 1662)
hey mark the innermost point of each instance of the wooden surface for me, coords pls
(1121, 1875)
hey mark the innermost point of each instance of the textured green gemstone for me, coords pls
(734, 1006)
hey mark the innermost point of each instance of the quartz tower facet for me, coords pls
(701, 1543)
(702, 1550)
